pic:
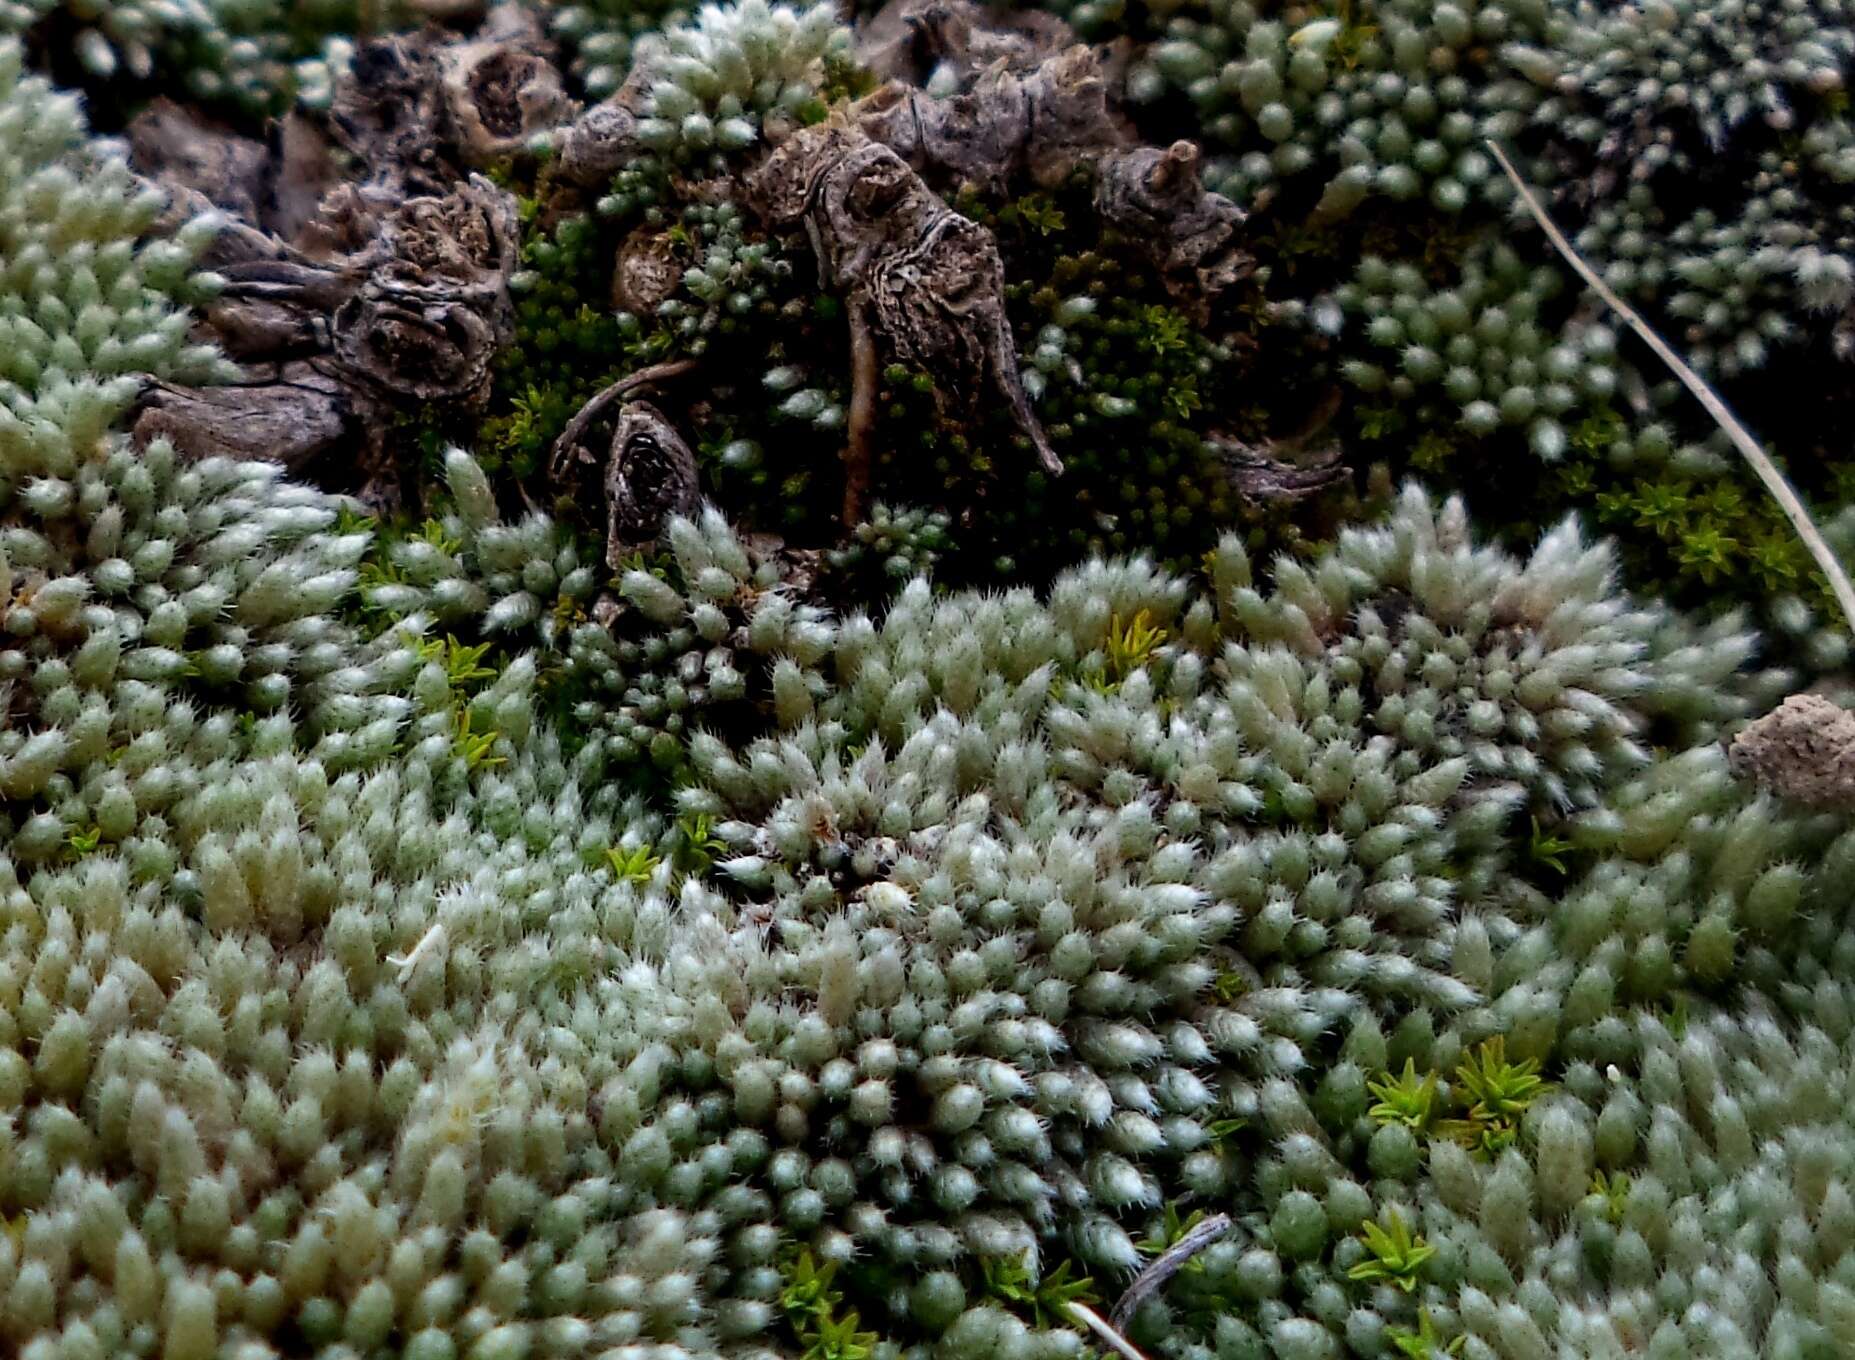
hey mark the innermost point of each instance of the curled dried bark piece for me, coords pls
(933, 280)
(1261, 478)
(275, 303)
(500, 88)
(1043, 122)
(1156, 198)
(568, 446)
(1803, 750)
(389, 113)
(435, 307)
(294, 417)
(651, 476)
(645, 273)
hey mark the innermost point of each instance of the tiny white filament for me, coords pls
(431, 940)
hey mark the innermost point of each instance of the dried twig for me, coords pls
(1167, 1264)
(569, 437)
(1742, 440)
(859, 451)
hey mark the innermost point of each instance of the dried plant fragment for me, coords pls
(275, 185)
(416, 316)
(927, 281)
(1043, 123)
(650, 478)
(917, 41)
(500, 88)
(434, 309)
(1155, 198)
(1261, 478)
(1047, 122)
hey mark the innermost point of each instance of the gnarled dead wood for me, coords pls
(357, 300)
(501, 87)
(932, 280)
(650, 477)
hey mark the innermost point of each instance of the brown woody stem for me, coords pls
(644, 377)
(859, 450)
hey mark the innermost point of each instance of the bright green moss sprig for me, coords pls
(811, 1305)
(1405, 1099)
(1397, 1255)
(1044, 1299)
(1493, 1094)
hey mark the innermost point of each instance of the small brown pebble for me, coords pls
(1803, 750)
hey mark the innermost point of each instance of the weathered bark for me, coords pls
(500, 88)
(1033, 104)
(362, 297)
(932, 280)
(337, 348)
(351, 300)
(650, 478)
(275, 186)
(294, 415)
(1261, 478)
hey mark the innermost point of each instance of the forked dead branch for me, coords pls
(358, 298)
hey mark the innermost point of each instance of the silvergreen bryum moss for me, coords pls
(1394, 898)
(249, 57)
